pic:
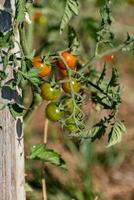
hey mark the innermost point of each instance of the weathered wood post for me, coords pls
(11, 151)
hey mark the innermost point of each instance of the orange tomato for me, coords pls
(109, 58)
(75, 84)
(64, 73)
(45, 68)
(37, 15)
(69, 58)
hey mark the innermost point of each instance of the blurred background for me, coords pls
(94, 171)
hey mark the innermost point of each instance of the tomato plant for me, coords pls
(84, 78)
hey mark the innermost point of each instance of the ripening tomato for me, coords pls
(75, 84)
(69, 58)
(53, 112)
(45, 68)
(50, 92)
(109, 58)
(40, 18)
(64, 72)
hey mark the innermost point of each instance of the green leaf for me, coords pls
(103, 74)
(16, 110)
(5, 39)
(116, 132)
(3, 75)
(20, 10)
(33, 76)
(97, 131)
(41, 152)
(72, 8)
(105, 34)
(114, 78)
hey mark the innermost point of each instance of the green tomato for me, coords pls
(49, 92)
(42, 21)
(69, 106)
(71, 125)
(53, 112)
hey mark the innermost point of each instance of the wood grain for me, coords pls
(11, 151)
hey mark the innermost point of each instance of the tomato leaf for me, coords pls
(5, 39)
(115, 134)
(41, 152)
(72, 8)
(96, 132)
(33, 76)
(20, 10)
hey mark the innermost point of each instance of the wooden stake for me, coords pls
(44, 193)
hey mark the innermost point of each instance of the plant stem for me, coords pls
(99, 56)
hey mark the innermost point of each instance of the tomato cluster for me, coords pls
(58, 90)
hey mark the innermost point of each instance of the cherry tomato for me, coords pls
(109, 58)
(67, 88)
(53, 112)
(64, 73)
(71, 125)
(40, 18)
(69, 106)
(50, 92)
(69, 58)
(45, 68)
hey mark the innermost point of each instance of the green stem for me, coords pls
(23, 41)
(99, 56)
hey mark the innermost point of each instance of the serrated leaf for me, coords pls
(72, 8)
(41, 152)
(102, 76)
(16, 110)
(33, 76)
(97, 131)
(20, 10)
(115, 134)
(114, 78)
